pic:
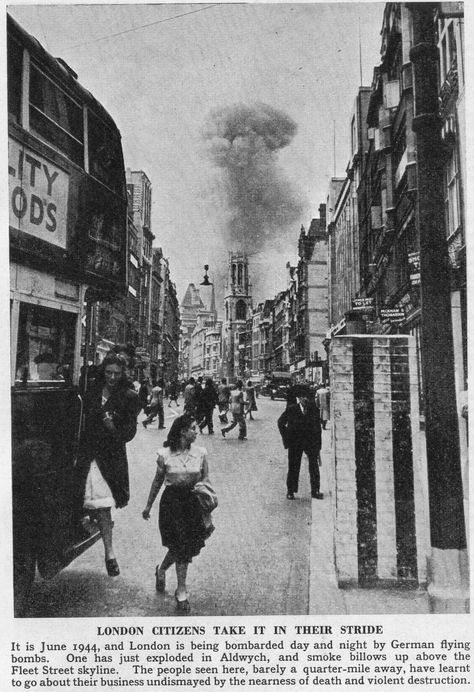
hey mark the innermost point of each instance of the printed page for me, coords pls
(248, 222)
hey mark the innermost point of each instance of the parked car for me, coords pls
(278, 390)
(279, 384)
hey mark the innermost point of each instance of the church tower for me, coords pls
(238, 309)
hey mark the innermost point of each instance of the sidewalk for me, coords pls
(324, 595)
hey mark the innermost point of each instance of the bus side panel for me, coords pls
(45, 424)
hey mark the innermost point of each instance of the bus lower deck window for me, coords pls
(45, 344)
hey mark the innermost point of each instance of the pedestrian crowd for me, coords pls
(112, 402)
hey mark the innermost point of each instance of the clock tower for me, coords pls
(238, 309)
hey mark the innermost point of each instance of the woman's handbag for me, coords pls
(206, 496)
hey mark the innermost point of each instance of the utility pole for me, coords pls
(448, 590)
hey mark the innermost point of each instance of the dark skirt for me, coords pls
(181, 524)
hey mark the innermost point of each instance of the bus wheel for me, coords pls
(24, 569)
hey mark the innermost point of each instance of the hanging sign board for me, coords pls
(392, 315)
(414, 268)
(363, 304)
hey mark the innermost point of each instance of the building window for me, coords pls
(447, 48)
(452, 196)
(240, 310)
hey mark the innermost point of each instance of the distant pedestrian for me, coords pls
(208, 402)
(190, 397)
(180, 466)
(237, 410)
(199, 406)
(223, 393)
(156, 406)
(143, 395)
(173, 393)
(322, 400)
(250, 402)
(300, 428)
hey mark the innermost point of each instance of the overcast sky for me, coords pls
(229, 109)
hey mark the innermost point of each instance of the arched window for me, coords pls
(240, 310)
(233, 273)
(227, 312)
(240, 275)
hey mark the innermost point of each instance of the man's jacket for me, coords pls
(300, 429)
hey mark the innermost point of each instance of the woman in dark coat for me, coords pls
(102, 467)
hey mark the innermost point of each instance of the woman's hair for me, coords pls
(178, 426)
(209, 383)
(113, 358)
(127, 350)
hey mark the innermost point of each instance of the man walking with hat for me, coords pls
(300, 429)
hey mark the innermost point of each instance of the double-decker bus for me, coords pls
(68, 249)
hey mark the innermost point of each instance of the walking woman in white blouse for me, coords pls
(180, 465)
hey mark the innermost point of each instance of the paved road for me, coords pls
(255, 563)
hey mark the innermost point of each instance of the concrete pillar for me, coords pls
(381, 509)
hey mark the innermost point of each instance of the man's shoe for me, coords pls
(318, 496)
(290, 496)
(160, 580)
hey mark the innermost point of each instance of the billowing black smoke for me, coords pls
(263, 207)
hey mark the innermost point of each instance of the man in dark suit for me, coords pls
(300, 428)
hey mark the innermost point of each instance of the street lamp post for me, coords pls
(206, 281)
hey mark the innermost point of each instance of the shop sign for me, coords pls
(414, 268)
(363, 304)
(392, 315)
(407, 305)
(38, 192)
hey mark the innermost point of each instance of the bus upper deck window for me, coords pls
(56, 117)
(45, 344)
(105, 158)
(15, 60)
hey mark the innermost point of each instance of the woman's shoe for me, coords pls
(112, 567)
(182, 606)
(160, 580)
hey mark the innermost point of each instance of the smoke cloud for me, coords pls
(262, 205)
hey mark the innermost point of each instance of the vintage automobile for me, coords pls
(279, 385)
